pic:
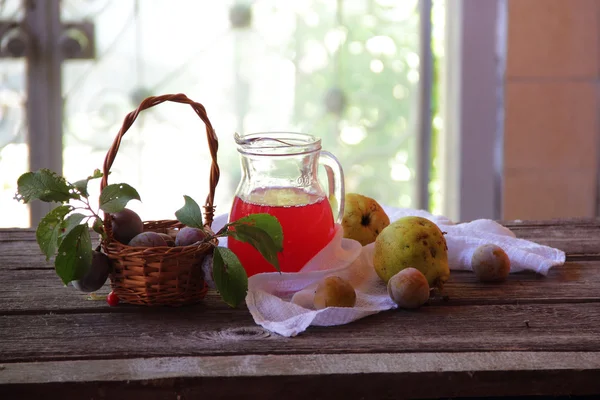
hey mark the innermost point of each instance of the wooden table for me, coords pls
(531, 335)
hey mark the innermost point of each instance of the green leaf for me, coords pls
(190, 214)
(49, 230)
(82, 185)
(258, 239)
(230, 277)
(115, 197)
(98, 227)
(267, 223)
(69, 223)
(263, 232)
(74, 256)
(44, 185)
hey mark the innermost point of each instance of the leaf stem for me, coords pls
(89, 207)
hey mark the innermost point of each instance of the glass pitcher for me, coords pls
(280, 177)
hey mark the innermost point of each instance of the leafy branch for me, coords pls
(63, 233)
(262, 231)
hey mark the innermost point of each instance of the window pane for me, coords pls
(14, 153)
(346, 74)
(342, 70)
(438, 44)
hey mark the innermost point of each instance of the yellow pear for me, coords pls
(412, 242)
(363, 218)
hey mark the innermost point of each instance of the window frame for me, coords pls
(472, 93)
(44, 107)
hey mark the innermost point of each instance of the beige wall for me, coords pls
(552, 103)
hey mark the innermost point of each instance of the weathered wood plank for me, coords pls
(556, 385)
(303, 376)
(571, 282)
(291, 364)
(576, 238)
(19, 250)
(17, 234)
(556, 222)
(501, 331)
(40, 291)
(24, 254)
(580, 240)
(39, 296)
(192, 331)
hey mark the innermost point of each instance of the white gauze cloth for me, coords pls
(282, 302)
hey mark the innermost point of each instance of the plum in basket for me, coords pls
(188, 235)
(126, 224)
(148, 239)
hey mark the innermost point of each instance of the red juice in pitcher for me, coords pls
(306, 220)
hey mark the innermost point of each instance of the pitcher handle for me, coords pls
(335, 182)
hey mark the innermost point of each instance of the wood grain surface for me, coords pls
(530, 335)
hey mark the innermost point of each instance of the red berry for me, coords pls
(112, 299)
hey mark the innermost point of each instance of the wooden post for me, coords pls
(44, 92)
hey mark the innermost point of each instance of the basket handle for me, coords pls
(213, 145)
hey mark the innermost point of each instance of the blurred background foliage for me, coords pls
(343, 70)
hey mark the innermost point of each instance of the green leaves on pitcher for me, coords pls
(262, 231)
(63, 234)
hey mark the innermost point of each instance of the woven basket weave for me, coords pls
(160, 276)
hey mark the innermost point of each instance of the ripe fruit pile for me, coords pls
(128, 229)
(411, 254)
(412, 242)
(64, 233)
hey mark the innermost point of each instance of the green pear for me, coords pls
(363, 218)
(412, 242)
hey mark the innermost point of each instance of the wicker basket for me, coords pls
(160, 276)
